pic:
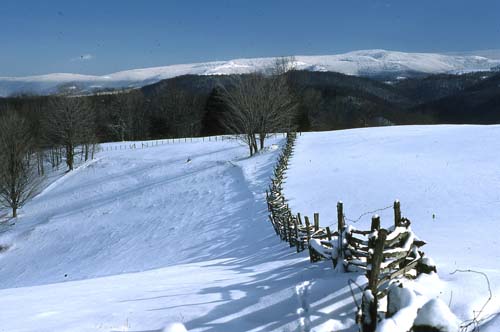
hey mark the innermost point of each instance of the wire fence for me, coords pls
(134, 145)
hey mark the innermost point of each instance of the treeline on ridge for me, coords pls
(191, 105)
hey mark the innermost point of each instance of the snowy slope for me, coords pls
(449, 172)
(134, 210)
(141, 238)
(138, 239)
(366, 63)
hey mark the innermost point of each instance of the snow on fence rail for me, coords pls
(385, 255)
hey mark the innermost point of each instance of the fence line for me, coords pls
(166, 141)
(385, 255)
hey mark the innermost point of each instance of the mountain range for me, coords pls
(368, 63)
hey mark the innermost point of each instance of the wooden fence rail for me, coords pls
(384, 254)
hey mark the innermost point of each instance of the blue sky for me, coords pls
(98, 37)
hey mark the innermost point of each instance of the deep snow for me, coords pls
(139, 239)
(447, 179)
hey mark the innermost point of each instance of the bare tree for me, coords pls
(18, 172)
(69, 124)
(259, 104)
(277, 104)
(241, 100)
(282, 65)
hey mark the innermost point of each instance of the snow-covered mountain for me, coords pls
(362, 63)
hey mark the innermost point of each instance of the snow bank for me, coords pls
(436, 313)
(174, 327)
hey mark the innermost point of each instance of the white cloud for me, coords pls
(84, 57)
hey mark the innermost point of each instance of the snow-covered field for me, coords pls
(364, 62)
(138, 239)
(447, 179)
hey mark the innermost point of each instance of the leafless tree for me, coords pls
(241, 100)
(18, 170)
(70, 124)
(282, 65)
(277, 105)
(258, 104)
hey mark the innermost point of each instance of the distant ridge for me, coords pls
(360, 63)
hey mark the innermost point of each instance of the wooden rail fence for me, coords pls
(384, 254)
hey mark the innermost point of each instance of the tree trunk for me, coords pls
(69, 157)
(262, 137)
(41, 169)
(254, 143)
(86, 151)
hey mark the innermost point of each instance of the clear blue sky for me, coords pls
(98, 37)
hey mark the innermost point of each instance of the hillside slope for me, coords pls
(135, 210)
(138, 239)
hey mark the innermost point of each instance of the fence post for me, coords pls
(375, 223)
(308, 238)
(316, 222)
(329, 237)
(397, 213)
(289, 222)
(296, 226)
(376, 260)
(299, 220)
(370, 301)
(340, 230)
(340, 216)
